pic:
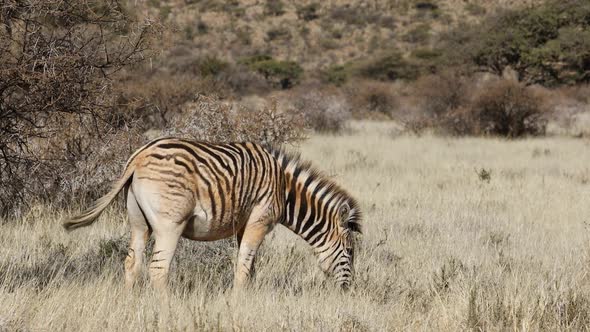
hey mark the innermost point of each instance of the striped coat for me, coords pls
(206, 191)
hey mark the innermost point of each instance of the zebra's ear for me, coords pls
(343, 211)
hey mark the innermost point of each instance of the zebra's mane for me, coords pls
(289, 159)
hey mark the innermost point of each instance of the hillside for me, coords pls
(314, 34)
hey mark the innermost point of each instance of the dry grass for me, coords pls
(444, 249)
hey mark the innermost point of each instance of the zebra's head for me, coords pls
(337, 257)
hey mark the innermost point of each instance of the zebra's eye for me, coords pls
(344, 210)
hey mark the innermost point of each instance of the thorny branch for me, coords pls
(57, 61)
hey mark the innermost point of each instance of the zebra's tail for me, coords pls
(88, 217)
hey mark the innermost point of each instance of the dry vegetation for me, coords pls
(57, 64)
(496, 107)
(461, 233)
(314, 33)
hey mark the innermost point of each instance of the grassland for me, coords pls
(470, 233)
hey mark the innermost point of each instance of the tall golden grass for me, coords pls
(460, 233)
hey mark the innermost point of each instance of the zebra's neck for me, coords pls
(311, 201)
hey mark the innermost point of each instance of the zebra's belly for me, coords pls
(202, 228)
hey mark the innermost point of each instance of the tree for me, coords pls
(57, 62)
(540, 43)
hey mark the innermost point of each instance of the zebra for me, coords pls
(206, 191)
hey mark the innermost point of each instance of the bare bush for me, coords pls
(370, 99)
(442, 93)
(444, 100)
(75, 161)
(509, 109)
(92, 163)
(243, 81)
(458, 105)
(56, 63)
(154, 101)
(210, 119)
(323, 111)
(579, 93)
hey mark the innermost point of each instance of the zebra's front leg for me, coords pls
(250, 242)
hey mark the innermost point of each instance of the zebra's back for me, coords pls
(215, 186)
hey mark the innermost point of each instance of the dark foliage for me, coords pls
(283, 74)
(547, 44)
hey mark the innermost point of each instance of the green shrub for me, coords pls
(202, 28)
(358, 16)
(304, 31)
(277, 33)
(348, 15)
(418, 34)
(427, 9)
(251, 60)
(189, 32)
(336, 33)
(274, 8)
(509, 39)
(282, 73)
(390, 66)
(475, 9)
(211, 66)
(426, 5)
(244, 35)
(165, 12)
(225, 6)
(329, 43)
(387, 21)
(428, 60)
(426, 54)
(286, 73)
(308, 12)
(337, 75)
(565, 59)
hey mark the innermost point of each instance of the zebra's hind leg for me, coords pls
(166, 234)
(166, 213)
(258, 225)
(140, 232)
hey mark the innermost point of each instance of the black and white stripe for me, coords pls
(321, 213)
